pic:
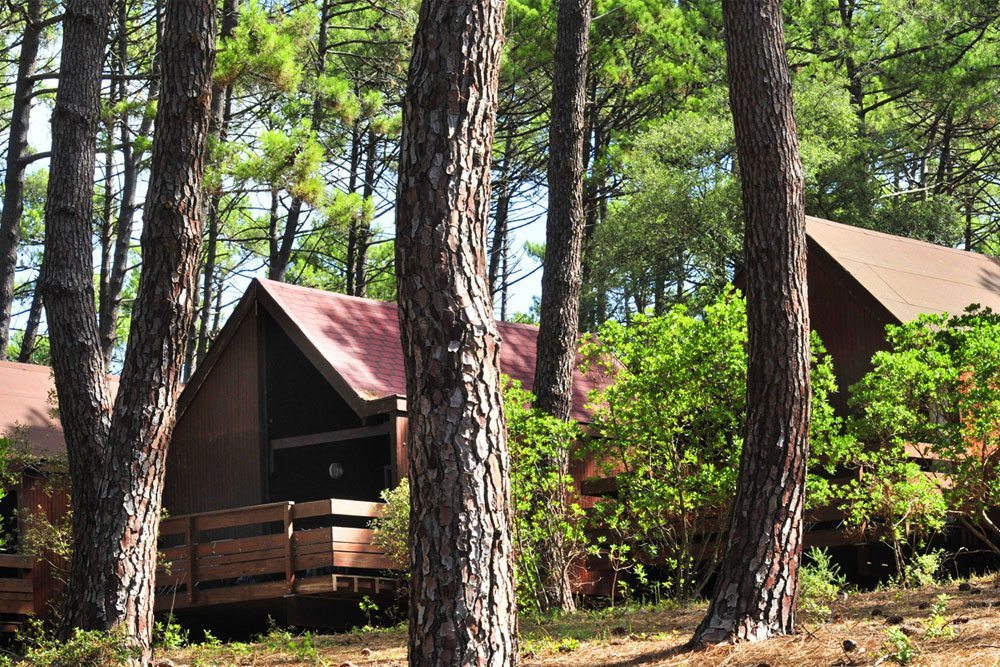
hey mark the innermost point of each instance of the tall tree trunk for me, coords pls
(17, 146)
(117, 458)
(351, 258)
(499, 244)
(462, 607)
(364, 235)
(111, 292)
(30, 340)
(561, 277)
(218, 132)
(67, 285)
(756, 591)
(280, 260)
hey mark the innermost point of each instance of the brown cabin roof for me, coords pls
(907, 276)
(359, 339)
(25, 404)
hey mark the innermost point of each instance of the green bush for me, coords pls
(170, 635)
(669, 428)
(391, 530)
(820, 582)
(937, 390)
(899, 647)
(85, 648)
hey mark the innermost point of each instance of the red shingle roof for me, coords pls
(907, 276)
(359, 339)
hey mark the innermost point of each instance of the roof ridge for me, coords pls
(906, 239)
(267, 283)
(26, 366)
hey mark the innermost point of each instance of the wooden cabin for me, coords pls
(27, 415)
(302, 398)
(860, 281)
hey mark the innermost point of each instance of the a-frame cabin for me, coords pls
(303, 397)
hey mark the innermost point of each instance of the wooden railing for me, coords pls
(267, 551)
(16, 585)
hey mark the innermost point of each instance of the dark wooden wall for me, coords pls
(215, 459)
(49, 499)
(849, 320)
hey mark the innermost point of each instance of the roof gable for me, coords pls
(909, 277)
(358, 339)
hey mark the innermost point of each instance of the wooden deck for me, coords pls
(16, 585)
(270, 552)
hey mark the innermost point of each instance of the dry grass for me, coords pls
(657, 637)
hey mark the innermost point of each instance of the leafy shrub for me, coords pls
(937, 390)
(170, 635)
(85, 648)
(899, 647)
(820, 582)
(922, 569)
(548, 526)
(391, 530)
(669, 427)
(938, 626)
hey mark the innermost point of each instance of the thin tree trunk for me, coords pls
(111, 293)
(218, 132)
(756, 591)
(117, 459)
(17, 146)
(499, 244)
(462, 606)
(280, 260)
(352, 231)
(364, 235)
(562, 272)
(30, 339)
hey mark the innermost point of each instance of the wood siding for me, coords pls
(215, 456)
(847, 318)
(42, 497)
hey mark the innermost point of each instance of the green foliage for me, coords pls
(899, 647)
(170, 635)
(820, 583)
(541, 489)
(669, 429)
(936, 393)
(369, 608)
(391, 530)
(938, 626)
(84, 648)
(922, 569)
(267, 50)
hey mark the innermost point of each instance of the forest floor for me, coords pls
(886, 627)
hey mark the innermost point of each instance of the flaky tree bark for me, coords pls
(756, 591)
(462, 607)
(17, 147)
(117, 457)
(66, 283)
(562, 272)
